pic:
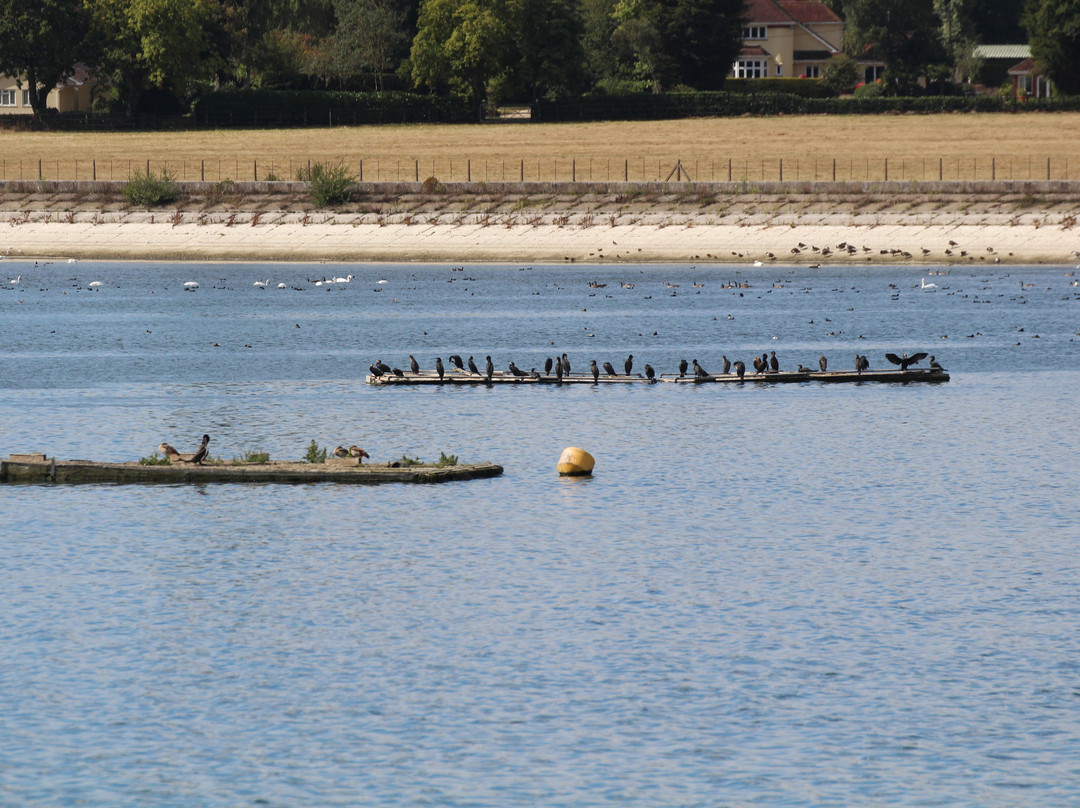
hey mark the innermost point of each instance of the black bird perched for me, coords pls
(934, 366)
(727, 364)
(740, 370)
(381, 365)
(609, 369)
(558, 371)
(801, 369)
(774, 362)
(439, 367)
(518, 372)
(397, 372)
(758, 364)
(650, 374)
(699, 371)
(565, 365)
(822, 363)
(489, 369)
(414, 366)
(375, 371)
(455, 360)
(861, 363)
(628, 365)
(547, 366)
(905, 360)
(534, 375)
(764, 363)
(682, 368)
(202, 451)
(595, 371)
(472, 367)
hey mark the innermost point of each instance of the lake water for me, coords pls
(788, 596)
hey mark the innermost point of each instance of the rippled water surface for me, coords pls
(792, 595)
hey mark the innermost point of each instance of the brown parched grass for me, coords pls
(900, 147)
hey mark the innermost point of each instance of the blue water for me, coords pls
(798, 595)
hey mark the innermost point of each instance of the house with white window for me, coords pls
(70, 95)
(793, 39)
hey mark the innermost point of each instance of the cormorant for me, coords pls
(740, 370)
(727, 364)
(534, 375)
(558, 371)
(397, 372)
(934, 366)
(699, 371)
(682, 368)
(518, 372)
(822, 363)
(439, 367)
(565, 365)
(375, 371)
(764, 363)
(472, 367)
(628, 365)
(489, 369)
(774, 363)
(381, 365)
(650, 374)
(414, 366)
(757, 364)
(595, 371)
(547, 366)
(455, 360)
(801, 369)
(609, 369)
(905, 360)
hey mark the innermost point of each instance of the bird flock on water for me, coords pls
(560, 368)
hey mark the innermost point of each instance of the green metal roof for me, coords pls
(1003, 51)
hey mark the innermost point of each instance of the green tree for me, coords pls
(548, 57)
(460, 44)
(370, 37)
(40, 41)
(153, 44)
(1054, 30)
(267, 43)
(840, 73)
(905, 34)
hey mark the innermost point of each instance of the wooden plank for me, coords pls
(782, 377)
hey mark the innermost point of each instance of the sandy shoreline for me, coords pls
(951, 238)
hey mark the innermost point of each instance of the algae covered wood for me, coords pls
(911, 375)
(294, 473)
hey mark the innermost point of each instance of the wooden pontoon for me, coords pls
(772, 377)
(38, 469)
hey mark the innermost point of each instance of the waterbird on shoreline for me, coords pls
(905, 361)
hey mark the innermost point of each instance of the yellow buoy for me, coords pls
(575, 462)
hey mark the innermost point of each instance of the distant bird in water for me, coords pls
(414, 366)
(609, 369)
(489, 369)
(565, 365)
(455, 360)
(822, 363)
(439, 367)
(518, 372)
(906, 361)
(727, 364)
(547, 366)
(699, 371)
(628, 365)
(595, 371)
(650, 374)
(682, 368)
(774, 363)
(740, 369)
(375, 371)
(357, 452)
(472, 367)
(934, 366)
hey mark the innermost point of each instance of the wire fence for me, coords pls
(565, 169)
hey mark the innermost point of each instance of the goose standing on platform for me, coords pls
(201, 452)
(439, 367)
(341, 451)
(360, 454)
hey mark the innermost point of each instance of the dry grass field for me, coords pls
(896, 147)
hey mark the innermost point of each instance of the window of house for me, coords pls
(7, 98)
(754, 32)
(872, 73)
(751, 69)
(1026, 84)
(26, 98)
(812, 71)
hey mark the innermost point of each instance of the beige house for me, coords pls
(787, 38)
(70, 95)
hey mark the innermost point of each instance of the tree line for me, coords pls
(157, 55)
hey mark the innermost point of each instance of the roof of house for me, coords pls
(1026, 66)
(807, 12)
(1002, 51)
(753, 50)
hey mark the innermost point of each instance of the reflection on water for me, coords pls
(802, 594)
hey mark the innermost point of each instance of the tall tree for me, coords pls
(548, 58)
(906, 34)
(460, 44)
(40, 41)
(152, 44)
(370, 37)
(1054, 30)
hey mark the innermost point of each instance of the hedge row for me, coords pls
(309, 107)
(647, 106)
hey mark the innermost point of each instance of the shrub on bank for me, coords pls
(149, 189)
(328, 183)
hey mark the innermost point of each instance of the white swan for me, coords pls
(282, 286)
(191, 284)
(14, 281)
(926, 285)
(343, 280)
(94, 284)
(261, 284)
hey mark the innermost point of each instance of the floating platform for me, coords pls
(772, 377)
(37, 469)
